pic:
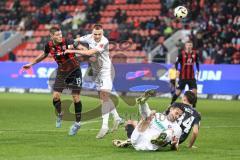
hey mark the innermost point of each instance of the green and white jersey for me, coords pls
(158, 124)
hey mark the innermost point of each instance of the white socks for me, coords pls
(144, 110)
(115, 114)
(105, 118)
(108, 107)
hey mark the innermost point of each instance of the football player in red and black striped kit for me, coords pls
(187, 58)
(68, 75)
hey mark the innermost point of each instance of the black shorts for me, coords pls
(129, 129)
(66, 80)
(192, 84)
(173, 82)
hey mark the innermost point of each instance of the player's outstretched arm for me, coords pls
(82, 52)
(194, 135)
(35, 61)
(77, 45)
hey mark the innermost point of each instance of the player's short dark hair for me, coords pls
(189, 41)
(97, 27)
(191, 97)
(178, 105)
(54, 29)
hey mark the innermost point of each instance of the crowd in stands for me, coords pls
(216, 30)
(214, 24)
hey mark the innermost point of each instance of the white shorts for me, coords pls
(141, 141)
(104, 83)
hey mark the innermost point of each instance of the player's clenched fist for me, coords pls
(27, 66)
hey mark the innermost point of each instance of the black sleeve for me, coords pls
(76, 43)
(197, 62)
(46, 50)
(69, 42)
(197, 119)
(178, 60)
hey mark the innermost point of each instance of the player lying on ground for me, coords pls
(154, 129)
(102, 69)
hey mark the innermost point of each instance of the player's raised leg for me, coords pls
(147, 94)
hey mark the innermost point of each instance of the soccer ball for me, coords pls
(180, 12)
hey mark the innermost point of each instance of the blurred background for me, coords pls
(140, 31)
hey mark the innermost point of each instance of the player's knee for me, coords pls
(178, 92)
(104, 96)
(76, 98)
(56, 97)
(129, 122)
(194, 91)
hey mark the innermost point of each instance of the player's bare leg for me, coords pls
(105, 114)
(107, 108)
(57, 105)
(78, 110)
(117, 119)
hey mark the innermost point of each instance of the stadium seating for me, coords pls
(143, 13)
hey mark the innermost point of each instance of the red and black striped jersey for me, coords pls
(66, 62)
(187, 61)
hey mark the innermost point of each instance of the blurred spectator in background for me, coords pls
(148, 44)
(236, 58)
(150, 24)
(219, 57)
(168, 31)
(54, 5)
(215, 23)
(12, 56)
(120, 16)
(180, 44)
(160, 56)
(114, 35)
(133, 1)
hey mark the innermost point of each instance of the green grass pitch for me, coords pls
(27, 132)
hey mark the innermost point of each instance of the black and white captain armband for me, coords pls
(75, 44)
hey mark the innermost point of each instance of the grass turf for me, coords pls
(27, 132)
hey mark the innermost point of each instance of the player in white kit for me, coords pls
(102, 73)
(155, 129)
